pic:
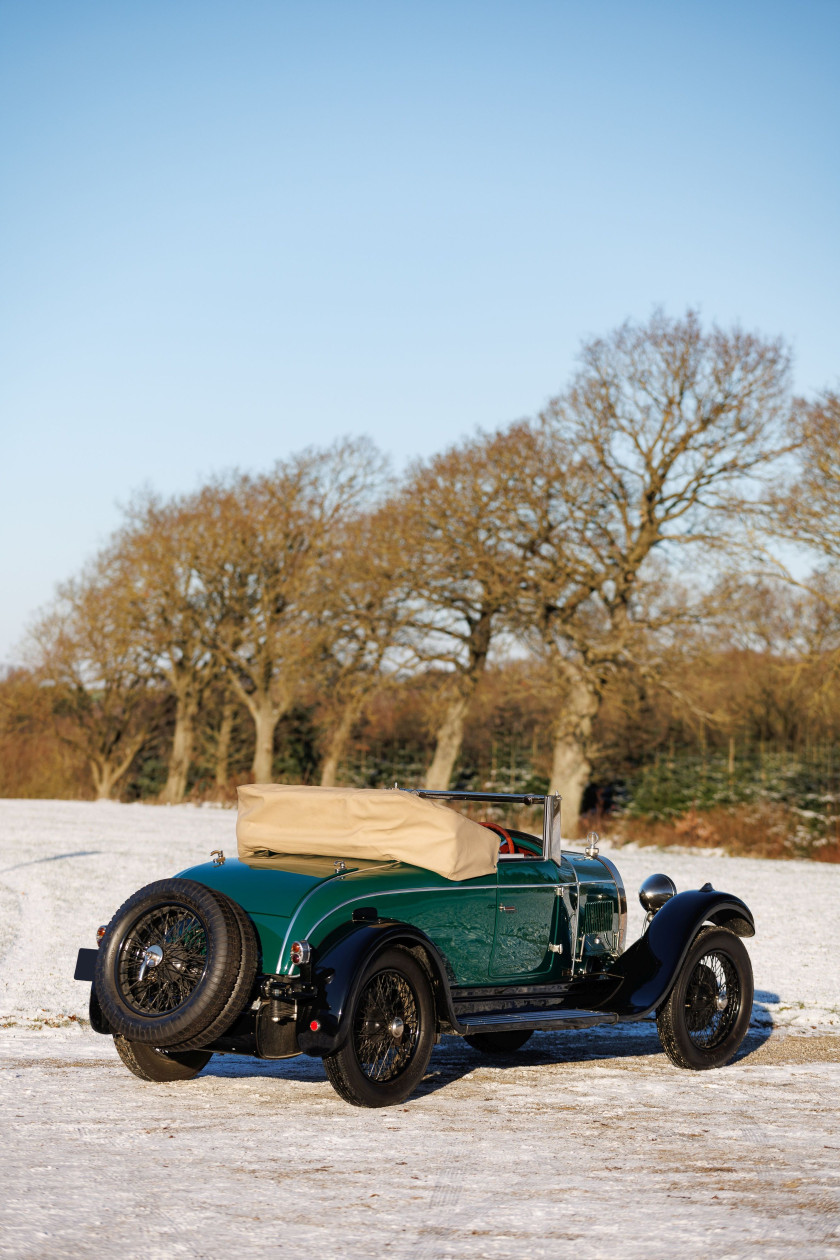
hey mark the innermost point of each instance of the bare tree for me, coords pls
(655, 440)
(362, 613)
(803, 511)
(157, 554)
(87, 650)
(466, 520)
(266, 539)
(806, 510)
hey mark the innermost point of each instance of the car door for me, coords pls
(527, 910)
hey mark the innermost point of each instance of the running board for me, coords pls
(535, 1020)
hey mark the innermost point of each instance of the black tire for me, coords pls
(172, 966)
(243, 984)
(151, 1063)
(499, 1042)
(379, 1064)
(707, 1013)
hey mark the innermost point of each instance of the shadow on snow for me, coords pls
(454, 1059)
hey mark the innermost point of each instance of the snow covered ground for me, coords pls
(586, 1143)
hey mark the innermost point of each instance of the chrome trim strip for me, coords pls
(574, 934)
(380, 866)
(396, 892)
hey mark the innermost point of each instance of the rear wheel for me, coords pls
(499, 1042)
(153, 1064)
(392, 1030)
(707, 1013)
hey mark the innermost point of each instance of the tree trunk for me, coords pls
(338, 741)
(104, 779)
(266, 716)
(570, 766)
(450, 736)
(450, 733)
(180, 756)
(222, 770)
(570, 770)
(106, 772)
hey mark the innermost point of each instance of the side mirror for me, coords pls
(552, 842)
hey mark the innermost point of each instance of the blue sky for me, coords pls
(229, 230)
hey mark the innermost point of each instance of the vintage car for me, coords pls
(358, 925)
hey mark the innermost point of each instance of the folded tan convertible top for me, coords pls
(362, 823)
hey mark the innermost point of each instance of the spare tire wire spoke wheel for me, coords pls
(176, 966)
(162, 960)
(390, 1035)
(707, 1013)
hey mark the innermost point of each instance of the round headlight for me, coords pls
(655, 891)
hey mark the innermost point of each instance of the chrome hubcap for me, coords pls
(152, 957)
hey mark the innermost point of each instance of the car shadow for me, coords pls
(453, 1058)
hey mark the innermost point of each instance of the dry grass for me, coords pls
(763, 831)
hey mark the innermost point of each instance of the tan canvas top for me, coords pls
(362, 823)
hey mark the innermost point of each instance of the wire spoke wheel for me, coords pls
(705, 1017)
(176, 965)
(390, 1034)
(712, 1000)
(162, 959)
(386, 1027)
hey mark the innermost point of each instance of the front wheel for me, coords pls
(707, 1013)
(392, 1031)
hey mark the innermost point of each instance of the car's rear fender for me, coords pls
(337, 974)
(648, 969)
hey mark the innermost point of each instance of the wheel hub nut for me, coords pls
(395, 1028)
(153, 956)
(720, 1001)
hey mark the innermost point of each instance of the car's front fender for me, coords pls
(337, 975)
(647, 970)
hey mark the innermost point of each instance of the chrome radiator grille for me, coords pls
(597, 916)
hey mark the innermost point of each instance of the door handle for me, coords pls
(508, 909)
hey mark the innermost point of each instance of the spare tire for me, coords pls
(175, 967)
(242, 985)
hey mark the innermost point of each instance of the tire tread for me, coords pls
(151, 1065)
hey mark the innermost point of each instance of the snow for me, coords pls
(589, 1143)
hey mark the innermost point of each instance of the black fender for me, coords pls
(98, 1022)
(648, 969)
(337, 974)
